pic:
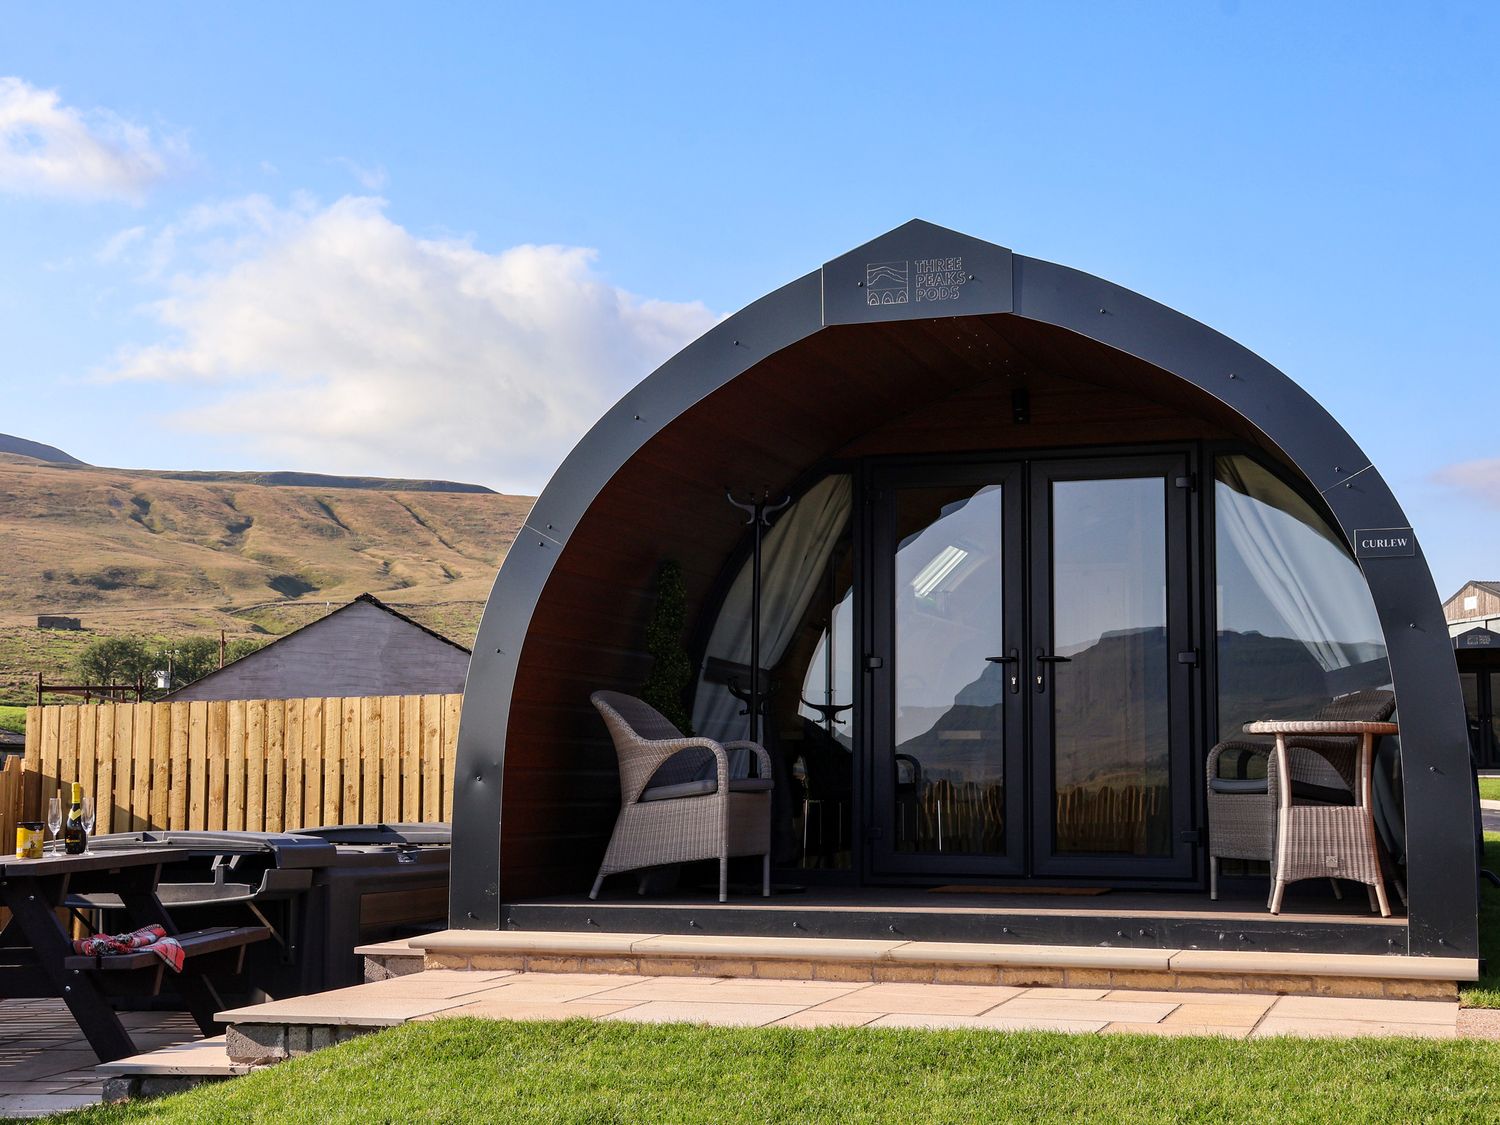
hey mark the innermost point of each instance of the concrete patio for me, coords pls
(290, 1027)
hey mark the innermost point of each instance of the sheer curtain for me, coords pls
(1295, 561)
(794, 554)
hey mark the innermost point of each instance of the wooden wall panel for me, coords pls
(910, 388)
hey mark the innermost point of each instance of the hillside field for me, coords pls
(137, 552)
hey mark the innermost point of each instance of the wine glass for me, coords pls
(87, 816)
(54, 818)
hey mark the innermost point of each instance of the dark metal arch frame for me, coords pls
(1441, 866)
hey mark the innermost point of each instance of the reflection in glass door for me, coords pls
(1029, 669)
(1109, 617)
(950, 693)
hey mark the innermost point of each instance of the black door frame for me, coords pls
(880, 668)
(876, 862)
(1182, 657)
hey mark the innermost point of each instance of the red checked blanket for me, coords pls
(153, 939)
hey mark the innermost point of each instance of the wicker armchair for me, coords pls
(677, 800)
(1242, 808)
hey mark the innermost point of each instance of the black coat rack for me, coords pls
(760, 512)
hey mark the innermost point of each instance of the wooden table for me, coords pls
(35, 944)
(1327, 841)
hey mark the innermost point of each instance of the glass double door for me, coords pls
(1030, 669)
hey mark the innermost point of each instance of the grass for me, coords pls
(1489, 788)
(13, 718)
(1485, 992)
(484, 1071)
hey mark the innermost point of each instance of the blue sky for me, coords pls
(440, 239)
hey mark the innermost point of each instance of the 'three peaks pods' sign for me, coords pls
(1384, 542)
(917, 271)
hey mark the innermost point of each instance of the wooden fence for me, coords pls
(259, 765)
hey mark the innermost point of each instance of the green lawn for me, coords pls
(12, 718)
(1485, 992)
(486, 1071)
(1489, 788)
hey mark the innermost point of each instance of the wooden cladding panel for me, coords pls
(257, 765)
(911, 388)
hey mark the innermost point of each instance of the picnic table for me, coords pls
(36, 949)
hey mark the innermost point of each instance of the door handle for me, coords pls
(1043, 659)
(1013, 658)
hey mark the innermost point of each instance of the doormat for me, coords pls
(960, 889)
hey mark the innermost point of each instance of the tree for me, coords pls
(117, 660)
(671, 669)
(193, 658)
(196, 656)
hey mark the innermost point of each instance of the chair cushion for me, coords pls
(1237, 784)
(704, 787)
(1323, 794)
(1301, 790)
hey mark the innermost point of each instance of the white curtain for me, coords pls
(794, 555)
(1300, 567)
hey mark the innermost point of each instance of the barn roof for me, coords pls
(1493, 587)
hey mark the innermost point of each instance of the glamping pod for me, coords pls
(1036, 549)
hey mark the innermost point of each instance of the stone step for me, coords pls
(1120, 967)
(388, 959)
(169, 1069)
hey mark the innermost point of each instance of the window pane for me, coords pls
(1110, 707)
(1297, 626)
(948, 762)
(807, 674)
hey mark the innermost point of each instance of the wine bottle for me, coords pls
(75, 839)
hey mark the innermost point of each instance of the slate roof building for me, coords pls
(363, 648)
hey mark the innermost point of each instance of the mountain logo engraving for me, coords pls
(887, 283)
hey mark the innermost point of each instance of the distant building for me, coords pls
(49, 621)
(363, 648)
(1474, 624)
(1477, 605)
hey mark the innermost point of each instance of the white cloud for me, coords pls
(333, 339)
(118, 243)
(51, 149)
(371, 179)
(1480, 479)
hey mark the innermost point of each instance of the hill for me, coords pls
(134, 551)
(25, 447)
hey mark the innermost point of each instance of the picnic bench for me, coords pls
(36, 950)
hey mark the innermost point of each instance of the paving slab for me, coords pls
(1349, 1029)
(526, 941)
(1439, 1012)
(931, 999)
(1110, 1011)
(720, 1015)
(203, 1057)
(1325, 965)
(498, 1008)
(1050, 956)
(794, 949)
(1222, 1031)
(821, 1017)
(729, 990)
(552, 987)
(984, 1023)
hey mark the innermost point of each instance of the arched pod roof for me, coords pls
(950, 278)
